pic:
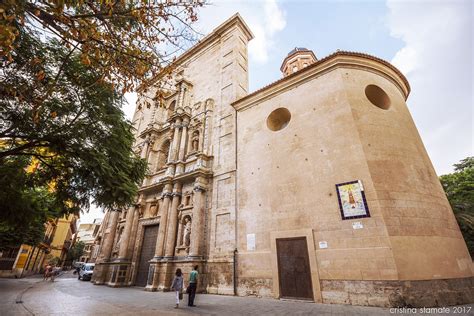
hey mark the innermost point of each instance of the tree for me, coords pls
(459, 188)
(64, 67)
(54, 261)
(76, 251)
(27, 208)
(75, 144)
(128, 41)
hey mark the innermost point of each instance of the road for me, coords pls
(68, 296)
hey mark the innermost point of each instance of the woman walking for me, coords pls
(177, 286)
(47, 272)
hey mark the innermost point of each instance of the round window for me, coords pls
(278, 119)
(377, 96)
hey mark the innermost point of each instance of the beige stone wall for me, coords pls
(217, 75)
(424, 235)
(286, 182)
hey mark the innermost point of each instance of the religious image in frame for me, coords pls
(352, 202)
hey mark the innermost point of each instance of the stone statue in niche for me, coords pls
(187, 232)
(140, 211)
(153, 210)
(195, 141)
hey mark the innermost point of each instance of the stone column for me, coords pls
(160, 246)
(133, 233)
(106, 249)
(123, 250)
(176, 139)
(197, 225)
(173, 154)
(144, 151)
(173, 221)
(180, 232)
(182, 146)
(181, 96)
(108, 243)
(159, 249)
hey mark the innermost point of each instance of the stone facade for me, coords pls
(232, 174)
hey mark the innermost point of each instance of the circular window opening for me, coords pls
(278, 119)
(377, 96)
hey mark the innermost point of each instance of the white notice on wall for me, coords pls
(323, 244)
(357, 225)
(250, 242)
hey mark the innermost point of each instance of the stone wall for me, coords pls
(425, 293)
(422, 231)
(286, 183)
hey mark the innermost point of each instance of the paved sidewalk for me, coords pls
(68, 296)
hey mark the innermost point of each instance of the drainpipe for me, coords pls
(235, 272)
(236, 187)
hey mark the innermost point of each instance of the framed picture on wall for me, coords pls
(352, 202)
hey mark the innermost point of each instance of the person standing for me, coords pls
(193, 276)
(177, 286)
(47, 272)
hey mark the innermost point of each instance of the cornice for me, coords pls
(340, 59)
(199, 172)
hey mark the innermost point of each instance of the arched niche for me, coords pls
(163, 154)
(171, 108)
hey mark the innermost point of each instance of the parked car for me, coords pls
(86, 271)
(77, 266)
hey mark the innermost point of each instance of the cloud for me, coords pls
(265, 19)
(437, 60)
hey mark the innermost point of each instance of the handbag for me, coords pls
(188, 290)
(180, 295)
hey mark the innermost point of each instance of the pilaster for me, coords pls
(101, 270)
(197, 226)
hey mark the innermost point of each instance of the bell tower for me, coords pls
(297, 59)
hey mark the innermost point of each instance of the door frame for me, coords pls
(137, 266)
(307, 263)
(308, 233)
(138, 244)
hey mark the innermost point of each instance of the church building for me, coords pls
(316, 187)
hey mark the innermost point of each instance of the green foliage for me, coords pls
(76, 251)
(64, 135)
(459, 188)
(54, 261)
(18, 193)
(128, 41)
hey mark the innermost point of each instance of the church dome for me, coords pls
(298, 49)
(297, 59)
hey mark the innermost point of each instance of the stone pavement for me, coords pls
(68, 296)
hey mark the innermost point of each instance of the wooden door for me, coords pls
(148, 251)
(293, 268)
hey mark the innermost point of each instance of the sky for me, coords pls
(431, 42)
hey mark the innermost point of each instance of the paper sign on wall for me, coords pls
(357, 225)
(250, 242)
(323, 244)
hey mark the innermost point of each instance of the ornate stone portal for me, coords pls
(244, 185)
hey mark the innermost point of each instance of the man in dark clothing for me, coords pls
(193, 276)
